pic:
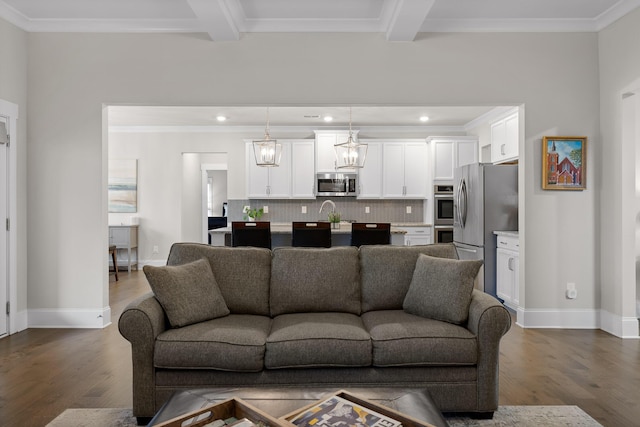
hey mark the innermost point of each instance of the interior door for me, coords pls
(4, 233)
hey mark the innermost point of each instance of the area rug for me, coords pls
(505, 416)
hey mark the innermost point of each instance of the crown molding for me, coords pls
(395, 130)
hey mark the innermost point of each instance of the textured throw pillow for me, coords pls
(441, 288)
(188, 293)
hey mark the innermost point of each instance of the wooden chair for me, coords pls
(311, 234)
(112, 252)
(256, 234)
(370, 233)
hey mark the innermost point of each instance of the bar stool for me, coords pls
(112, 252)
(372, 233)
(256, 234)
(311, 234)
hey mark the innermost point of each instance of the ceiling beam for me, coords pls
(216, 19)
(408, 17)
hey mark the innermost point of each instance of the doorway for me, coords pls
(8, 249)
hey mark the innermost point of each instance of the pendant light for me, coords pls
(267, 151)
(350, 154)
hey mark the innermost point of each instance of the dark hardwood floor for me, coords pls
(45, 371)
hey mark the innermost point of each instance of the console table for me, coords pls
(125, 237)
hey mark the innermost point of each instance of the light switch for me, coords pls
(304, 209)
(367, 210)
(265, 209)
(408, 209)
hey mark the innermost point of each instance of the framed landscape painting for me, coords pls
(123, 185)
(564, 162)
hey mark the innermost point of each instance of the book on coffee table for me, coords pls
(339, 412)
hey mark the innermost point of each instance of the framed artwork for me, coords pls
(564, 162)
(123, 185)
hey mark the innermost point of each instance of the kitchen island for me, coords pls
(281, 235)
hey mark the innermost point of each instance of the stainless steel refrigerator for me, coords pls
(485, 200)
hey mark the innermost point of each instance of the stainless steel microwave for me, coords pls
(336, 184)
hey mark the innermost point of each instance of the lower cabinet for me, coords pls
(417, 236)
(507, 270)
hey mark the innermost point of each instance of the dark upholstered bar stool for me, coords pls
(370, 233)
(256, 234)
(112, 252)
(311, 234)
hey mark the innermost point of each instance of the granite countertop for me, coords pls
(506, 233)
(345, 228)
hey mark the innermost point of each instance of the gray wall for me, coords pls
(71, 77)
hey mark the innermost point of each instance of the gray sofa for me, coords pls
(314, 317)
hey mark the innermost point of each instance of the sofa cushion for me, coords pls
(242, 273)
(403, 339)
(441, 288)
(307, 280)
(317, 340)
(382, 265)
(232, 343)
(188, 293)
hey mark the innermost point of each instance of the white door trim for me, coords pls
(16, 324)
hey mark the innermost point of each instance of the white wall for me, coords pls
(619, 66)
(72, 75)
(218, 190)
(13, 89)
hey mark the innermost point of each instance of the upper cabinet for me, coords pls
(404, 170)
(325, 151)
(302, 170)
(505, 137)
(293, 178)
(450, 152)
(370, 176)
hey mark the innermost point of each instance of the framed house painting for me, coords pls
(123, 185)
(564, 162)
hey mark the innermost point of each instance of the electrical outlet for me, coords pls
(155, 249)
(408, 209)
(367, 210)
(265, 209)
(304, 209)
(572, 292)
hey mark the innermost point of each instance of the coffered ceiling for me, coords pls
(399, 20)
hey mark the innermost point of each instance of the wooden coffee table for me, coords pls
(412, 402)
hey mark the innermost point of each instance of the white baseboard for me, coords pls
(153, 262)
(21, 322)
(623, 327)
(69, 318)
(558, 319)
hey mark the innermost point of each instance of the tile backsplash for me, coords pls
(350, 208)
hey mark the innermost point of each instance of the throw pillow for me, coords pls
(188, 293)
(441, 288)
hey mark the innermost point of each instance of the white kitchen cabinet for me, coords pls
(269, 182)
(507, 269)
(302, 170)
(404, 170)
(325, 151)
(505, 137)
(370, 176)
(450, 153)
(416, 236)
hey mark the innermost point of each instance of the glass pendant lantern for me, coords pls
(350, 154)
(267, 151)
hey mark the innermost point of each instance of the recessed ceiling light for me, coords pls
(424, 119)
(328, 118)
(221, 118)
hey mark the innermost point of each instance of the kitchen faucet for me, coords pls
(333, 206)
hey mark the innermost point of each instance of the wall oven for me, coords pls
(443, 205)
(442, 234)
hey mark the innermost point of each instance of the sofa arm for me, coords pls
(488, 320)
(140, 323)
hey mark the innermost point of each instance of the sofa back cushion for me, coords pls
(315, 280)
(387, 272)
(242, 274)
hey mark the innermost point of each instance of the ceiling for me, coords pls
(398, 20)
